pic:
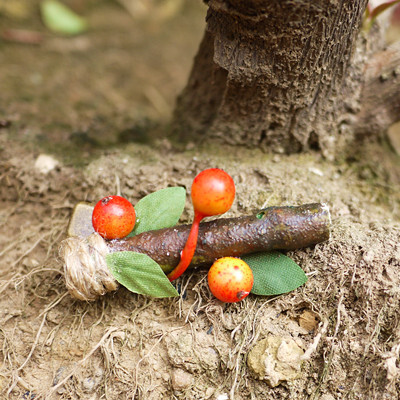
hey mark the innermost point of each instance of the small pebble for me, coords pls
(181, 379)
(45, 163)
(327, 397)
(88, 385)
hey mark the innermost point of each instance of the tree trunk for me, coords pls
(284, 75)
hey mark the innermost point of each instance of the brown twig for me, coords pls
(273, 228)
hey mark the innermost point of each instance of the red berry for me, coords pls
(230, 279)
(113, 217)
(213, 192)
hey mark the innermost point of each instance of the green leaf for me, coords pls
(274, 273)
(60, 19)
(140, 274)
(161, 209)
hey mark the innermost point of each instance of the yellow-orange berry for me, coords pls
(230, 279)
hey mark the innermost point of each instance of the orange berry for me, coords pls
(230, 279)
(113, 217)
(213, 192)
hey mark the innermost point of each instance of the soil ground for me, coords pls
(99, 105)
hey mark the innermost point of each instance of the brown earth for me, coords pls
(99, 104)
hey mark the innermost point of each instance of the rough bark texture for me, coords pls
(284, 75)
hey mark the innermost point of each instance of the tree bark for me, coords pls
(283, 75)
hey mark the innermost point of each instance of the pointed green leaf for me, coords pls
(59, 18)
(140, 274)
(161, 209)
(274, 273)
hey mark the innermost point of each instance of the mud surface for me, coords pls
(99, 105)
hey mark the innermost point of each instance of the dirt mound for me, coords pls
(344, 321)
